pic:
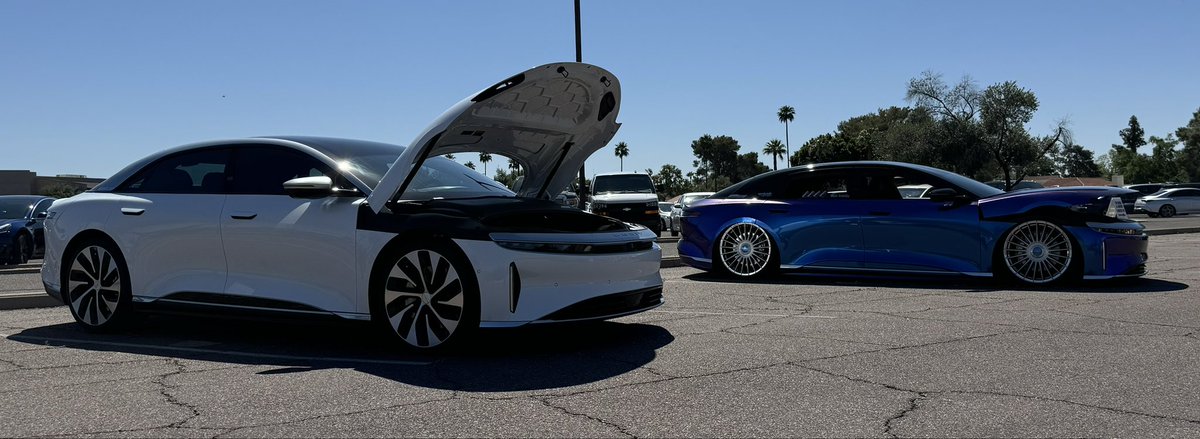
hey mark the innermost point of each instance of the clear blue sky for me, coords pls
(89, 86)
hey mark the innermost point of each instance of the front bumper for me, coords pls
(517, 287)
(1111, 255)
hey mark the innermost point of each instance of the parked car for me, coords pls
(423, 246)
(664, 214)
(1142, 190)
(797, 220)
(567, 198)
(627, 196)
(21, 232)
(685, 200)
(1169, 202)
(1020, 186)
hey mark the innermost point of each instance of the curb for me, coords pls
(32, 299)
(1173, 231)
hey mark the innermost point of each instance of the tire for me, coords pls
(1039, 252)
(674, 232)
(435, 311)
(1167, 211)
(745, 250)
(96, 287)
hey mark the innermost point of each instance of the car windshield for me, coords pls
(440, 177)
(664, 207)
(976, 188)
(14, 209)
(631, 183)
(687, 200)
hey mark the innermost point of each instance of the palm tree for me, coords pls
(485, 158)
(450, 156)
(622, 151)
(786, 115)
(470, 165)
(776, 149)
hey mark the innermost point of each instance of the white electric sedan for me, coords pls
(426, 247)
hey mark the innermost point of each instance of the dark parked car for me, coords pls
(21, 236)
(852, 217)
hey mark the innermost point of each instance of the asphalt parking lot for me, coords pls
(797, 356)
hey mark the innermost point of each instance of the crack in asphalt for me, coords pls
(171, 399)
(914, 346)
(620, 429)
(1113, 319)
(913, 404)
(127, 430)
(1009, 325)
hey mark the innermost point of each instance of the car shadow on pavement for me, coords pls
(965, 284)
(536, 358)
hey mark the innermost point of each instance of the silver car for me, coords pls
(1169, 202)
(684, 201)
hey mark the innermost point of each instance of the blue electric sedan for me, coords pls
(21, 237)
(863, 217)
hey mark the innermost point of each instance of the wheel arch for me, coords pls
(715, 246)
(401, 240)
(85, 236)
(998, 266)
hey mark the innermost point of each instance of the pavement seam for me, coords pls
(64, 366)
(620, 429)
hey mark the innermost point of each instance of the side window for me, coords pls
(41, 208)
(191, 172)
(1190, 193)
(899, 185)
(261, 170)
(820, 184)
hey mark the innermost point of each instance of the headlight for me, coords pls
(5, 228)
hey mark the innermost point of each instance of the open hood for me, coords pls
(549, 119)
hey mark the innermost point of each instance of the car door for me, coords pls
(1189, 201)
(285, 252)
(164, 220)
(918, 234)
(816, 220)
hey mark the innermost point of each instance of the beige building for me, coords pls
(22, 182)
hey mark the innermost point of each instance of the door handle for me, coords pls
(243, 215)
(132, 211)
(880, 213)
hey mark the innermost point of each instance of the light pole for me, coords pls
(583, 189)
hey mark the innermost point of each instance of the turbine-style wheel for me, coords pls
(96, 285)
(427, 296)
(1038, 252)
(745, 249)
(1166, 211)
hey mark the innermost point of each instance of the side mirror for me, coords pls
(944, 194)
(309, 187)
(41, 215)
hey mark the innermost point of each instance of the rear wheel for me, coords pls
(426, 296)
(1166, 211)
(1038, 252)
(745, 250)
(96, 285)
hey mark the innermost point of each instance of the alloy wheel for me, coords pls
(745, 249)
(1167, 211)
(1037, 252)
(94, 285)
(423, 298)
(21, 250)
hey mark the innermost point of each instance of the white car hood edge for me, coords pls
(549, 119)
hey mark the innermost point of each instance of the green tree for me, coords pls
(1004, 111)
(786, 115)
(748, 166)
(1133, 136)
(485, 158)
(1073, 160)
(470, 164)
(775, 149)
(716, 157)
(1189, 157)
(669, 182)
(955, 139)
(61, 190)
(621, 151)
(449, 156)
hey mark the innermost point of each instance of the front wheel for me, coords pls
(426, 295)
(1166, 211)
(21, 250)
(1038, 252)
(96, 285)
(745, 250)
